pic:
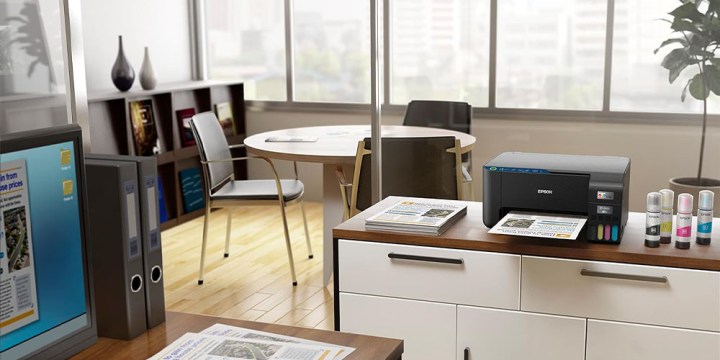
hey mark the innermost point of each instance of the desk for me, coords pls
(177, 324)
(336, 146)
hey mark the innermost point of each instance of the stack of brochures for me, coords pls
(428, 216)
(230, 342)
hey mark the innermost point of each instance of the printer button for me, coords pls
(615, 233)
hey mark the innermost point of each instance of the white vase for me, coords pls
(689, 185)
(148, 79)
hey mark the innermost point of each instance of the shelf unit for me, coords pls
(111, 131)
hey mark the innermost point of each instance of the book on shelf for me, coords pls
(421, 216)
(224, 113)
(183, 118)
(192, 189)
(145, 135)
(161, 201)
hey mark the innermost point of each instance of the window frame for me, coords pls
(492, 111)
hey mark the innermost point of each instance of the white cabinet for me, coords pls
(611, 341)
(513, 335)
(622, 292)
(506, 306)
(428, 329)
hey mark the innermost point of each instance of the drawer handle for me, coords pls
(466, 353)
(426, 258)
(611, 275)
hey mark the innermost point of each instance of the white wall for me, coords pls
(658, 152)
(162, 25)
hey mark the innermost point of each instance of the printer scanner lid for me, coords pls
(561, 163)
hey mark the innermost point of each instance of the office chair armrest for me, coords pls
(233, 159)
(237, 146)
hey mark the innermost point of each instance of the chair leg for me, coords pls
(204, 245)
(307, 233)
(471, 191)
(288, 245)
(227, 235)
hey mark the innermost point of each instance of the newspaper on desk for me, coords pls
(427, 216)
(230, 342)
(540, 225)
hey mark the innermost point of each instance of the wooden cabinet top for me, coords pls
(469, 233)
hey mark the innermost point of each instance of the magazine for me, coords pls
(224, 113)
(205, 346)
(429, 216)
(145, 135)
(239, 332)
(540, 225)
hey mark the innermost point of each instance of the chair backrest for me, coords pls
(427, 167)
(213, 146)
(451, 115)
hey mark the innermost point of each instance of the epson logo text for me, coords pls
(544, 192)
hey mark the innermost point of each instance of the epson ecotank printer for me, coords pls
(593, 186)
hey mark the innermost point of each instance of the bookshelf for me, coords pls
(111, 131)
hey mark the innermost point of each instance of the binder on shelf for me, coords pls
(115, 243)
(151, 243)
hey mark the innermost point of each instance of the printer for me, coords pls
(592, 186)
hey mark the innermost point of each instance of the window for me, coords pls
(639, 83)
(246, 40)
(332, 50)
(440, 50)
(551, 54)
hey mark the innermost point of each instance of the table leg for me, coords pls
(332, 216)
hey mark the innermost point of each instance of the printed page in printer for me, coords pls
(540, 225)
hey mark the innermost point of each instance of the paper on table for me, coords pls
(239, 332)
(291, 139)
(541, 225)
(193, 346)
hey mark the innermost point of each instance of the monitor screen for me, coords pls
(44, 297)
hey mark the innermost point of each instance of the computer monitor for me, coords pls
(46, 308)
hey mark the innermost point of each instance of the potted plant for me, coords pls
(696, 25)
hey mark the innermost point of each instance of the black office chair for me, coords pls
(223, 191)
(427, 167)
(451, 115)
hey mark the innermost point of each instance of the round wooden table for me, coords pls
(335, 146)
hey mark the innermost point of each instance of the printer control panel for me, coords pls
(604, 218)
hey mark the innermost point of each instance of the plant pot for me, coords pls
(690, 185)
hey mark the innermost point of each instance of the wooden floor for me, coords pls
(254, 283)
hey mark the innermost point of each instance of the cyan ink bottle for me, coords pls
(704, 217)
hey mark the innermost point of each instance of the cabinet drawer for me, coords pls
(610, 341)
(416, 272)
(633, 293)
(427, 329)
(513, 335)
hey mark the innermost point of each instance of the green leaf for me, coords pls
(712, 76)
(694, 50)
(687, 11)
(680, 41)
(698, 89)
(675, 58)
(675, 72)
(685, 89)
(682, 25)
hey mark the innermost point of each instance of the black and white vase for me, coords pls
(122, 73)
(148, 79)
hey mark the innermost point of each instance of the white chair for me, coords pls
(223, 191)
